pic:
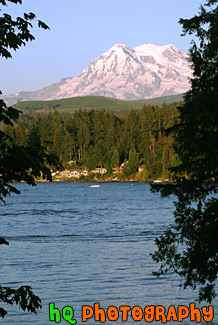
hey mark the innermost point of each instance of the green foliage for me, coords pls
(17, 31)
(21, 163)
(18, 161)
(23, 297)
(143, 176)
(190, 247)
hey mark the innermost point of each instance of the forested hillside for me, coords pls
(70, 105)
(98, 138)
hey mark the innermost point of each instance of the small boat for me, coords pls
(158, 181)
(94, 185)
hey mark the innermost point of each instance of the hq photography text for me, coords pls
(136, 313)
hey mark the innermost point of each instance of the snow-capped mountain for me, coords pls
(143, 72)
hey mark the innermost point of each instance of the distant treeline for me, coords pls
(97, 138)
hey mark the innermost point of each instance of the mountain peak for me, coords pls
(118, 45)
(118, 48)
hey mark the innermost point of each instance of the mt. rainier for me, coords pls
(143, 72)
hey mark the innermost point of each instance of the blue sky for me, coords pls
(81, 30)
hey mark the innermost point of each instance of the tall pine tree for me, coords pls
(190, 247)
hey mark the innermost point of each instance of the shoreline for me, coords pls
(123, 180)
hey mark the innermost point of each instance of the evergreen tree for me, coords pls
(131, 167)
(115, 161)
(34, 135)
(129, 131)
(190, 246)
(68, 146)
(58, 141)
(91, 161)
(101, 153)
(21, 135)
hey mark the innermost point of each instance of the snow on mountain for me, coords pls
(146, 71)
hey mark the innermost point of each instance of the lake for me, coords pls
(76, 245)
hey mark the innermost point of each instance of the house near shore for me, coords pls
(66, 173)
(75, 173)
(99, 170)
(85, 173)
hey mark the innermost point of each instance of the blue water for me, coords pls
(76, 245)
